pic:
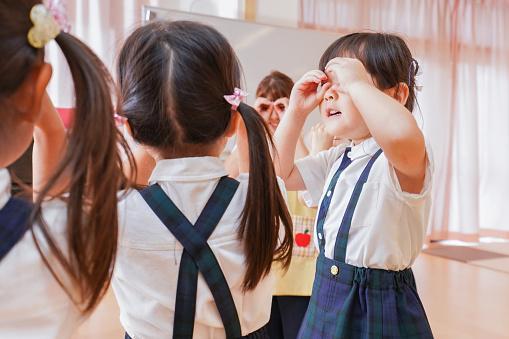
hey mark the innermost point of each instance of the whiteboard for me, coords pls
(261, 48)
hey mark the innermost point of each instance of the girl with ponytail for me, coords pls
(197, 249)
(57, 253)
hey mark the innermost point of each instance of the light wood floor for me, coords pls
(461, 300)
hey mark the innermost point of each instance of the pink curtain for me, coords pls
(463, 49)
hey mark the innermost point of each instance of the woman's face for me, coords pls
(271, 111)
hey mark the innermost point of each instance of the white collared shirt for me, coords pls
(388, 226)
(33, 305)
(145, 279)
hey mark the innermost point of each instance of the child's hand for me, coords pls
(280, 106)
(305, 94)
(344, 72)
(320, 139)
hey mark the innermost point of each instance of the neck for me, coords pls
(358, 141)
(190, 151)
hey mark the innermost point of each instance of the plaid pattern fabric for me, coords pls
(197, 256)
(363, 303)
(303, 225)
(14, 217)
(353, 302)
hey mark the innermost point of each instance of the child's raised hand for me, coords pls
(306, 95)
(344, 72)
(320, 139)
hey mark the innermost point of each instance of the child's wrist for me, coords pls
(297, 113)
(357, 85)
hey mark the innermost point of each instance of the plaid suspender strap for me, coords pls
(344, 229)
(14, 219)
(324, 206)
(197, 256)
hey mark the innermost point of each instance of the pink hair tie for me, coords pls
(119, 120)
(236, 98)
(58, 10)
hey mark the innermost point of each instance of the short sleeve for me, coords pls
(413, 198)
(314, 171)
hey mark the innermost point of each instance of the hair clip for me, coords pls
(48, 22)
(236, 98)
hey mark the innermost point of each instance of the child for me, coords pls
(197, 247)
(374, 195)
(56, 255)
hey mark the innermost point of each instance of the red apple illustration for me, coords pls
(303, 239)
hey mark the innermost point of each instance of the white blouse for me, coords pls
(33, 305)
(145, 279)
(388, 226)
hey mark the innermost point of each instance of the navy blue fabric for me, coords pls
(197, 256)
(286, 316)
(14, 218)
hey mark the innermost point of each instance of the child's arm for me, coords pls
(304, 98)
(389, 122)
(49, 147)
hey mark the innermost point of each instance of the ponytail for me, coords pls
(93, 165)
(265, 208)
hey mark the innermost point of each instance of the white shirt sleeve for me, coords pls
(413, 198)
(314, 170)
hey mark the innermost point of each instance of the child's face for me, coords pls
(340, 116)
(271, 111)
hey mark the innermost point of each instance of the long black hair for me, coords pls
(173, 76)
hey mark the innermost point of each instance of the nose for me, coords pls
(330, 96)
(273, 116)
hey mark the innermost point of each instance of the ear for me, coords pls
(42, 77)
(28, 98)
(401, 93)
(232, 128)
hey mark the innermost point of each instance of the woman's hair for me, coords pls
(386, 57)
(173, 76)
(274, 86)
(91, 163)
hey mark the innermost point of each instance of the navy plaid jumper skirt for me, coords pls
(350, 302)
(14, 218)
(197, 257)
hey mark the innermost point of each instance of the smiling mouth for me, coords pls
(333, 113)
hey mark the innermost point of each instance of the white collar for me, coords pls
(5, 187)
(366, 148)
(188, 169)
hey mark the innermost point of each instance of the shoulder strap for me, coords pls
(327, 198)
(344, 229)
(197, 256)
(14, 218)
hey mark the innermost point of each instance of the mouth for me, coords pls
(332, 113)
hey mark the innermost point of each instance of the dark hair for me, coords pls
(274, 86)
(386, 57)
(91, 161)
(173, 76)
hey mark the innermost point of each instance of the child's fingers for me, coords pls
(315, 76)
(323, 89)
